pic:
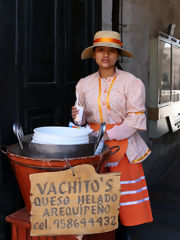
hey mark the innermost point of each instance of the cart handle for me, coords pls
(117, 148)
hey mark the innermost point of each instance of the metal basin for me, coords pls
(23, 166)
(36, 150)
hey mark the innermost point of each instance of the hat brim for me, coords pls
(88, 52)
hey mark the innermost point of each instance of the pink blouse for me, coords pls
(126, 100)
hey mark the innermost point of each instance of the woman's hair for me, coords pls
(118, 65)
(117, 62)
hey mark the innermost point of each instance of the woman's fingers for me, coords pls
(95, 133)
(74, 112)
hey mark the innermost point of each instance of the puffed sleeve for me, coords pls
(135, 112)
(80, 91)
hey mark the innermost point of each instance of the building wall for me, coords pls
(143, 19)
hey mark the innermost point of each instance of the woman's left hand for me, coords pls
(105, 137)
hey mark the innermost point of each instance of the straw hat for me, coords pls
(106, 39)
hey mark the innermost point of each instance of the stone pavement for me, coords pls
(165, 202)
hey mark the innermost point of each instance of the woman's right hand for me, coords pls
(74, 112)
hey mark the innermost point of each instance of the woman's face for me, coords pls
(105, 57)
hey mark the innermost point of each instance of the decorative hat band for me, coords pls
(107, 39)
(113, 40)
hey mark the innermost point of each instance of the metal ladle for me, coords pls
(101, 134)
(18, 131)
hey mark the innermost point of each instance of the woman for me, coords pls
(118, 98)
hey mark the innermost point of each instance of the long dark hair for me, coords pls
(117, 62)
(118, 65)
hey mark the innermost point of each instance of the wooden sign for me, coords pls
(67, 204)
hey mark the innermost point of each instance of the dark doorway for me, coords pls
(41, 43)
(50, 38)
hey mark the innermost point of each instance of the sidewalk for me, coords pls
(165, 202)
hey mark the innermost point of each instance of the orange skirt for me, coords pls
(135, 207)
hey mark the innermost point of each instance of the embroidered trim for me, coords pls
(133, 191)
(134, 202)
(111, 164)
(133, 181)
(143, 157)
(107, 101)
(99, 101)
(108, 106)
(137, 113)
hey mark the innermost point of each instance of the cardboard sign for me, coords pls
(67, 204)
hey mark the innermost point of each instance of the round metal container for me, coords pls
(54, 151)
(24, 165)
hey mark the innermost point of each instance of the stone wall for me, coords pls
(143, 20)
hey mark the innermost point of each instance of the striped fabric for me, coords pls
(135, 207)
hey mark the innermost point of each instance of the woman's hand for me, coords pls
(74, 112)
(105, 137)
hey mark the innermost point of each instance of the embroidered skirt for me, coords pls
(135, 206)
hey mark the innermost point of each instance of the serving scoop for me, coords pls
(101, 134)
(18, 131)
